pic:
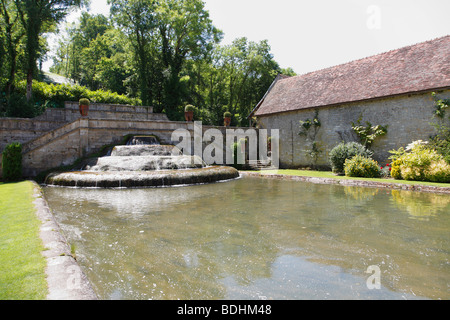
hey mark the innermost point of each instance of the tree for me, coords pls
(245, 70)
(186, 32)
(12, 33)
(38, 17)
(138, 21)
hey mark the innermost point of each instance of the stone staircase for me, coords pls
(261, 164)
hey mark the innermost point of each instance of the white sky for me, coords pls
(309, 35)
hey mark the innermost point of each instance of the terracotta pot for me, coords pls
(189, 115)
(84, 109)
(227, 121)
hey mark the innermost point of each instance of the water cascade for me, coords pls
(143, 162)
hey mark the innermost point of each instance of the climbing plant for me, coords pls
(441, 106)
(309, 129)
(368, 133)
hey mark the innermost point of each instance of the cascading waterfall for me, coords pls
(143, 162)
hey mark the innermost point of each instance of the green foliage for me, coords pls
(238, 154)
(308, 123)
(441, 106)
(227, 114)
(164, 54)
(189, 108)
(438, 171)
(360, 166)
(17, 106)
(420, 162)
(38, 18)
(344, 151)
(12, 162)
(310, 135)
(84, 102)
(396, 172)
(368, 133)
(59, 93)
(441, 141)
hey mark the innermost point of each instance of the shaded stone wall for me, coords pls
(24, 130)
(408, 117)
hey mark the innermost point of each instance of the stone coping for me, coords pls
(65, 279)
(350, 182)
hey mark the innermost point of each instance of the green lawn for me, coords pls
(329, 174)
(22, 266)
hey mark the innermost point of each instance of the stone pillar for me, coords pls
(84, 137)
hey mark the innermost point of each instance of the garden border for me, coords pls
(351, 182)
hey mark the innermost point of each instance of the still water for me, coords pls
(258, 238)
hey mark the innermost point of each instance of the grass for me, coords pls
(329, 174)
(22, 266)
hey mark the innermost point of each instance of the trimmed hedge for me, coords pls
(57, 94)
(12, 162)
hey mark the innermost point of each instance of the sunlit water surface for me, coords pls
(258, 239)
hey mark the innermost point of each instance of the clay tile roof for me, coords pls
(420, 67)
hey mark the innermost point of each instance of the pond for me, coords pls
(255, 238)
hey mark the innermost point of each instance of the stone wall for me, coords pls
(24, 130)
(408, 118)
(54, 137)
(49, 143)
(85, 136)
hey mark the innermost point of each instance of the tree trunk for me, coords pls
(29, 84)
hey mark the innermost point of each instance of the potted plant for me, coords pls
(227, 119)
(84, 106)
(189, 112)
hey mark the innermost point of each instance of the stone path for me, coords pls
(66, 280)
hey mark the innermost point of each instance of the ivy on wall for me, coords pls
(368, 133)
(309, 129)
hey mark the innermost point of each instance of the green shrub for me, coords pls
(344, 151)
(237, 154)
(59, 93)
(441, 142)
(396, 171)
(360, 166)
(84, 102)
(438, 171)
(227, 114)
(189, 108)
(17, 106)
(12, 162)
(416, 162)
(420, 162)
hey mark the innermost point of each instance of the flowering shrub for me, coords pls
(386, 171)
(438, 171)
(395, 170)
(420, 163)
(344, 151)
(360, 166)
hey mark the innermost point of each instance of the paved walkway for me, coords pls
(66, 280)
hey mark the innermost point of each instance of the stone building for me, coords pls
(392, 89)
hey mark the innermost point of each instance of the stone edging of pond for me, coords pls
(349, 182)
(65, 278)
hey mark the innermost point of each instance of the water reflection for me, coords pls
(256, 238)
